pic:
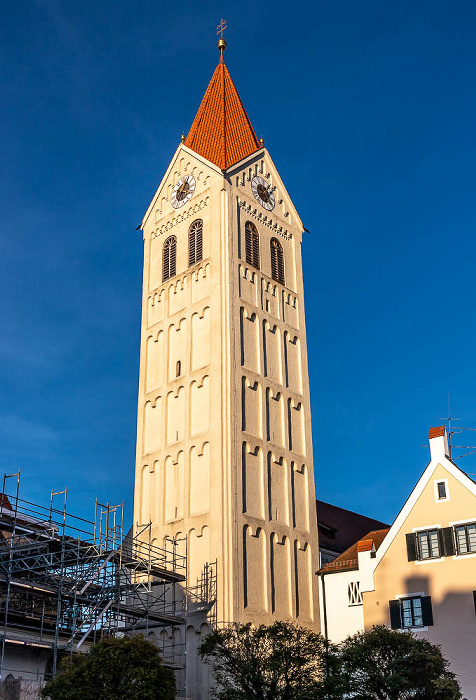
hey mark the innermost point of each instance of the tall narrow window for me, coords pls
(252, 244)
(195, 248)
(169, 262)
(277, 261)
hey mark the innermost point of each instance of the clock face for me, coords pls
(262, 192)
(183, 191)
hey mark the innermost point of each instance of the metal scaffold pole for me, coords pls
(10, 560)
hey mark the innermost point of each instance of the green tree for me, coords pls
(114, 669)
(387, 665)
(277, 662)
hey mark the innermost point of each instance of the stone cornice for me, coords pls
(198, 206)
(264, 219)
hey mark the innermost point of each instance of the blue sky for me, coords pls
(368, 110)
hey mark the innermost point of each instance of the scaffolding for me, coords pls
(65, 582)
(202, 597)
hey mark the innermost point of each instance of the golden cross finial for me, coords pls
(221, 27)
(221, 41)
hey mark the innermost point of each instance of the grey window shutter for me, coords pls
(426, 610)
(474, 599)
(395, 614)
(447, 545)
(412, 546)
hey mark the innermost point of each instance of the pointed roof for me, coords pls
(221, 131)
(439, 458)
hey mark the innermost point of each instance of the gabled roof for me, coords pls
(439, 457)
(350, 558)
(339, 528)
(221, 131)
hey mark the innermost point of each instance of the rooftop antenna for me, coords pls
(455, 431)
(448, 421)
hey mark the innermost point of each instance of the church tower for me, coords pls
(224, 448)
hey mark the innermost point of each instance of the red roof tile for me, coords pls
(221, 131)
(350, 559)
(364, 545)
(437, 432)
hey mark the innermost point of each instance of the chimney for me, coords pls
(438, 443)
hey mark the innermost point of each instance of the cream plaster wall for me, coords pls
(270, 390)
(224, 448)
(449, 581)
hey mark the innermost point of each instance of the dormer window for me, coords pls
(327, 530)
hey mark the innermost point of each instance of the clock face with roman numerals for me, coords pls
(263, 192)
(183, 191)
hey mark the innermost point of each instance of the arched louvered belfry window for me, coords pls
(195, 247)
(277, 261)
(252, 244)
(169, 260)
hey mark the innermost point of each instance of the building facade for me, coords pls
(425, 573)
(224, 447)
(420, 575)
(342, 583)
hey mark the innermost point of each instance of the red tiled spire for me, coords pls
(221, 131)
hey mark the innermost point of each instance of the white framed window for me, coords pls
(428, 544)
(465, 535)
(411, 612)
(441, 490)
(354, 594)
